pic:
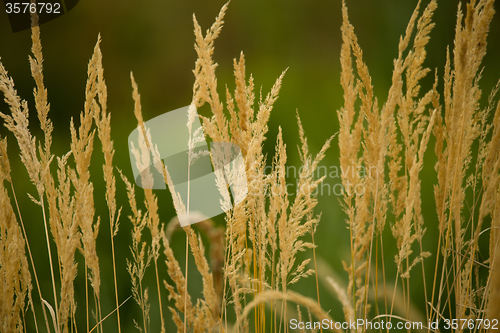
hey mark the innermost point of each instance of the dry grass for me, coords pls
(248, 275)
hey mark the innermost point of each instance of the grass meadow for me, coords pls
(370, 144)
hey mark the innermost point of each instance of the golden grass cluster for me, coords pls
(394, 138)
(253, 261)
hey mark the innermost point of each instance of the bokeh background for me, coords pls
(154, 39)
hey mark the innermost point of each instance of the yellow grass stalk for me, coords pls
(369, 135)
(299, 299)
(461, 127)
(82, 148)
(154, 225)
(15, 277)
(17, 123)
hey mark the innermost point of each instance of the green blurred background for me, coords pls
(154, 39)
